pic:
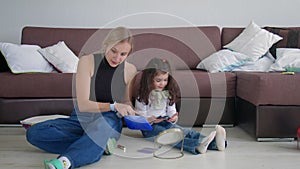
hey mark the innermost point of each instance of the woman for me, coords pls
(102, 92)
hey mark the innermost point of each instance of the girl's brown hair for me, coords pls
(156, 67)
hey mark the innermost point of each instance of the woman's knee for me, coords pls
(32, 135)
(37, 132)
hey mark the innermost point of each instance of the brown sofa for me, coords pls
(244, 98)
(268, 104)
(206, 99)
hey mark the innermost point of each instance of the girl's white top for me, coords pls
(158, 105)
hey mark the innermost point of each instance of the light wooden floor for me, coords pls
(243, 152)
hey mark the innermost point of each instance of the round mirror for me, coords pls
(169, 138)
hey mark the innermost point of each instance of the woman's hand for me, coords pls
(124, 109)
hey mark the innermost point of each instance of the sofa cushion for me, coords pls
(186, 46)
(288, 59)
(253, 41)
(36, 85)
(214, 85)
(263, 64)
(3, 64)
(291, 38)
(223, 61)
(74, 37)
(24, 58)
(61, 57)
(196, 84)
(28, 122)
(268, 88)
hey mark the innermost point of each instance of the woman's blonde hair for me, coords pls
(117, 35)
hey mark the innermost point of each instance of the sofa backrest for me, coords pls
(184, 47)
(228, 34)
(75, 38)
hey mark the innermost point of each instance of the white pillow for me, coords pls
(26, 123)
(223, 60)
(286, 58)
(261, 65)
(24, 58)
(253, 41)
(61, 57)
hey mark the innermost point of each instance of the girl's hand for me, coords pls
(158, 120)
(153, 119)
(174, 118)
(124, 109)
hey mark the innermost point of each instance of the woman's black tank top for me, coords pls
(107, 83)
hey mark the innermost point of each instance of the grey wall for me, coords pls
(15, 14)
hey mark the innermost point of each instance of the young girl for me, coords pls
(157, 95)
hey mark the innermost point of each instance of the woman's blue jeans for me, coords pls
(192, 138)
(82, 137)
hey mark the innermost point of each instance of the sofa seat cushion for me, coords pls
(272, 88)
(196, 84)
(36, 85)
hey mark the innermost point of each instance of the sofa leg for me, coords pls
(214, 125)
(275, 139)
